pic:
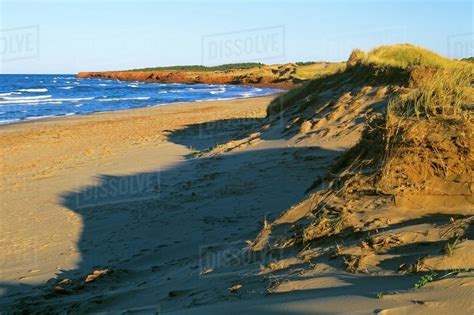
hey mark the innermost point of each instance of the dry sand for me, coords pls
(165, 203)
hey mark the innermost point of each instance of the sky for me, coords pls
(72, 36)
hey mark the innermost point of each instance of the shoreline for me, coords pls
(160, 195)
(45, 159)
(66, 117)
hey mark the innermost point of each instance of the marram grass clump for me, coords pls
(400, 56)
(443, 92)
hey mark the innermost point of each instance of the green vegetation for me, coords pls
(314, 70)
(433, 276)
(225, 67)
(449, 248)
(401, 56)
(306, 63)
(308, 90)
(438, 86)
(437, 92)
(424, 280)
(290, 98)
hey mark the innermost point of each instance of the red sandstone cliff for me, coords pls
(278, 76)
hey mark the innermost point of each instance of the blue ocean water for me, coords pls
(26, 97)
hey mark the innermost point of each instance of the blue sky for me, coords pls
(72, 36)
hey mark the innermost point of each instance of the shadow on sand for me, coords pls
(158, 231)
(152, 227)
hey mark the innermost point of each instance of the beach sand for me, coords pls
(41, 160)
(157, 207)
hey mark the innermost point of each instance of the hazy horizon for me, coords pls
(49, 37)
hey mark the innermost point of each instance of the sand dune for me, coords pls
(326, 202)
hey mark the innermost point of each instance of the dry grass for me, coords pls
(427, 154)
(450, 247)
(318, 70)
(427, 134)
(401, 56)
(441, 92)
(305, 93)
(327, 221)
(383, 65)
(420, 143)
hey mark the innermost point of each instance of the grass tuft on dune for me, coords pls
(437, 80)
(436, 92)
(400, 56)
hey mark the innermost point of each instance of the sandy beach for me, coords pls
(41, 160)
(187, 208)
(49, 232)
(228, 157)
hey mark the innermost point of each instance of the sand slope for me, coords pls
(236, 213)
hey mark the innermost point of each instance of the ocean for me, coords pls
(28, 97)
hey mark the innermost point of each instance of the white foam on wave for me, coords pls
(65, 87)
(223, 99)
(30, 102)
(219, 91)
(77, 99)
(124, 99)
(38, 117)
(34, 90)
(247, 94)
(9, 93)
(8, 121)
(41, 99)
(26, 98)
(133, 85)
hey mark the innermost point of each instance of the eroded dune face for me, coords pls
(399, 200)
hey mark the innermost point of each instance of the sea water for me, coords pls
(27, 97)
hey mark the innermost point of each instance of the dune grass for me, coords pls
(438, 85)
(314, 70)
(304, 92)
(442, 92)
(402, 56)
